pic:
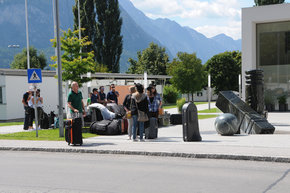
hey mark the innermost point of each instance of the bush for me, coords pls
(180, 103)
(170, 94)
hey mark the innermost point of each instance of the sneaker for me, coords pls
(129, 138)
(142, 140)
(134, 140)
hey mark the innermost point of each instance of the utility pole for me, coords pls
(59, 69)
(27, 35)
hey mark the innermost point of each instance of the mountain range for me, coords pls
(138, 31)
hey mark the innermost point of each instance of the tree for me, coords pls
(188, 73)
(74, 63)
(153, 59)
(268, 2)
(36, 61)
(88, 21)
(224, 69)
(109, 41)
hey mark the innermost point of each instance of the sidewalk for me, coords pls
(170, 143)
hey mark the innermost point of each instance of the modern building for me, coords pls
(266, 46)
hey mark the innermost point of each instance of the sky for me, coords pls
(209, 17)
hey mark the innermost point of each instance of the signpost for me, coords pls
(34, 76)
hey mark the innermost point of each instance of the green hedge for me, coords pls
(180, 103)
(170, 94)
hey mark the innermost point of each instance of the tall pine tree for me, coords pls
(109, 41)
(88, 21)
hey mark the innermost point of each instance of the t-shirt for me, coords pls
(112, 96)
(102, 96)
(25, 97)
(76, 100)
(94, 99)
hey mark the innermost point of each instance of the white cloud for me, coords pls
(209, 17)
(233, 29)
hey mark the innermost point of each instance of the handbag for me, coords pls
(161, 111)
(142, 116)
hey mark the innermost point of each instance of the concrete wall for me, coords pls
(3, 106)
(16, 86)
(250, 18)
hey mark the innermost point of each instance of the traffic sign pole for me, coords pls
(34, 76)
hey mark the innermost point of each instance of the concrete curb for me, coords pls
(159, 154)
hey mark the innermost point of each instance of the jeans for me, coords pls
(130, 126)
(141, 127)
(26, 118)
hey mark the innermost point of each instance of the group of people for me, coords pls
(101, 97)
(30, 101)
(141, 107)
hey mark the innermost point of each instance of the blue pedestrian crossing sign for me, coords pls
(34, 75)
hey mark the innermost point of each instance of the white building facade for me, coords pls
(266, 46)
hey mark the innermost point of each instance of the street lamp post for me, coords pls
(27, 35)
(59, 70)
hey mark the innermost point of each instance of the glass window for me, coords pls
(273, 56)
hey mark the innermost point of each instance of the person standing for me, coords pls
(31, 110)
(102, 96)
(153, 103)
(158, 100)
(139, 111)
(75, 102)
(112, 96)
(39, 104)
(26, 109)
(128, 106)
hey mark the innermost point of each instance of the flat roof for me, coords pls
(48, 73)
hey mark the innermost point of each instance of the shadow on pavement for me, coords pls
(96, 144)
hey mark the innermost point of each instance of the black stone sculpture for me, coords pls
(249, 121)
(226, 124)
(255, 90)
(190, 123)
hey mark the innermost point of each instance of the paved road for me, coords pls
(63, 172)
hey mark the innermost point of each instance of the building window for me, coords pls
(273, 56)
(199, 94)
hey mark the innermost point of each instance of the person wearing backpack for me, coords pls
(139, 111)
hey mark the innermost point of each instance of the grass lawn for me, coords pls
(171, 106)
(206, 116)
(43, 135)
(11, 123)
(212, 110)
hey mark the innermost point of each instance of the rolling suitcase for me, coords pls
(73, 131)
(151, 132)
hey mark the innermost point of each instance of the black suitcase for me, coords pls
(151, 132)
(115, 127)
(44, 121)
(100, 127)
(176, 119)
(73, 131)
